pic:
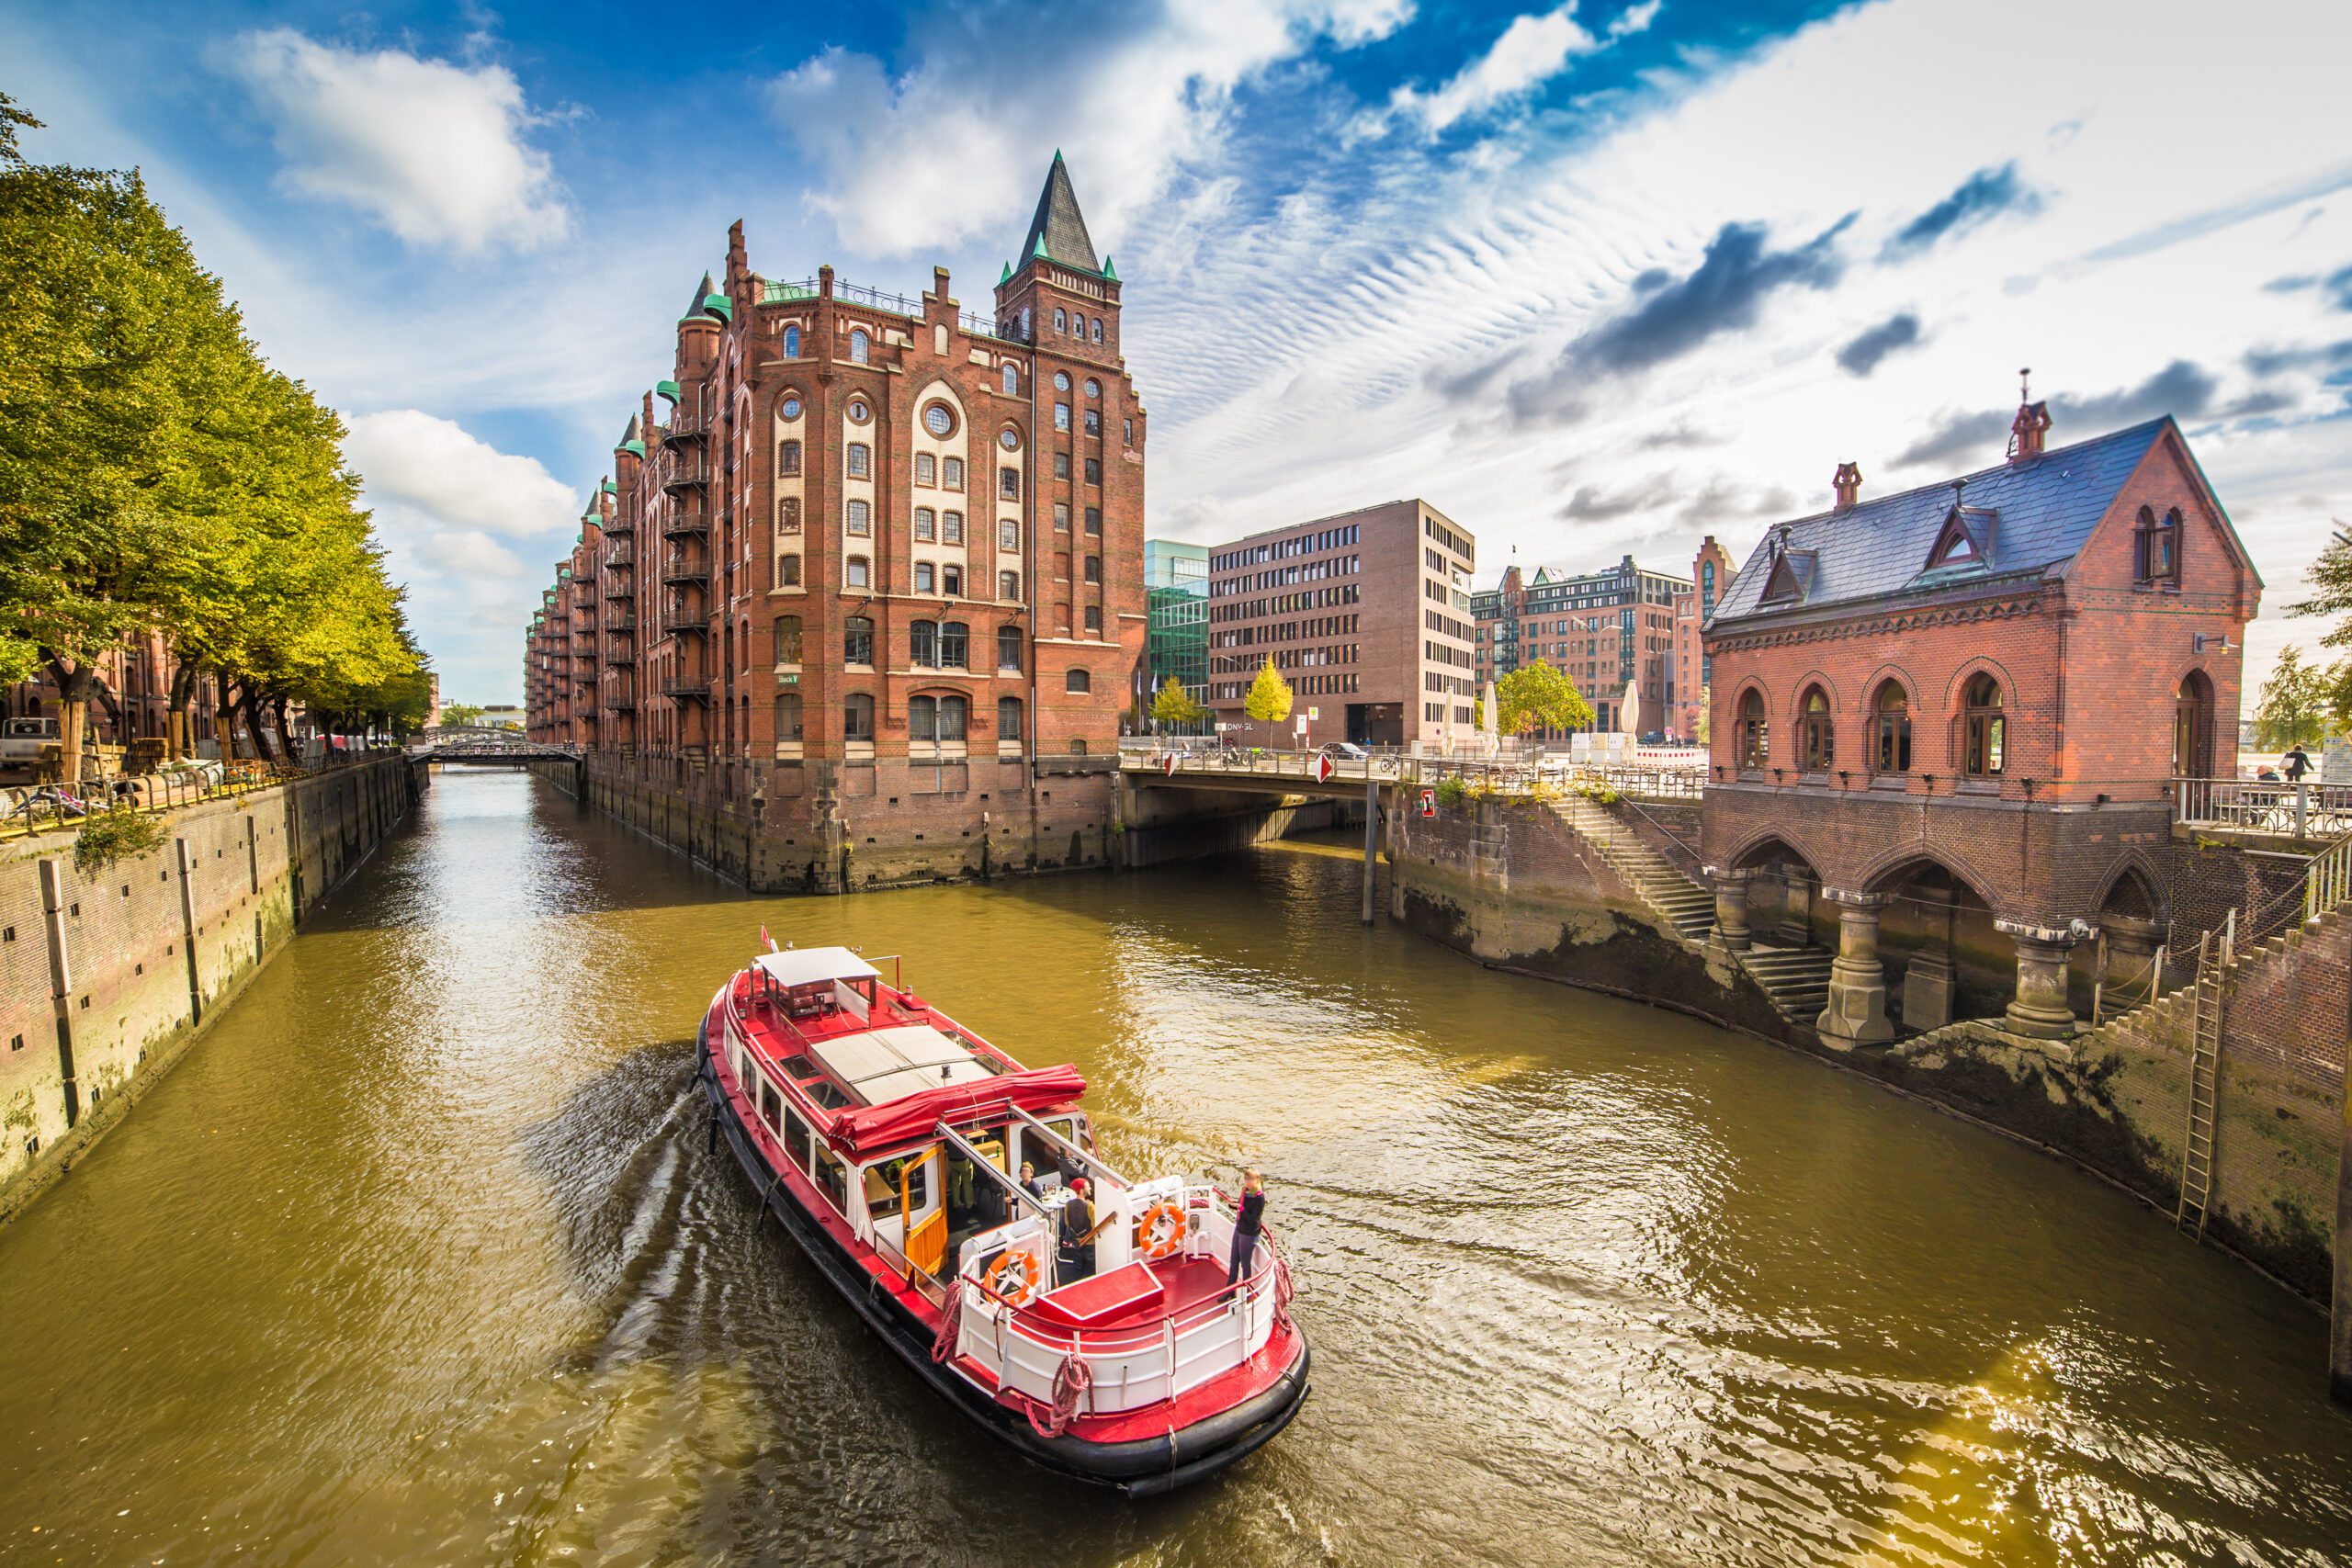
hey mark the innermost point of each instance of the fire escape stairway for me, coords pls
(1795, 979)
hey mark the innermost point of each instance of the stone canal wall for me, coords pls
(1515, 886)
(105, 979)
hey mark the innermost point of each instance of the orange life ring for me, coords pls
(1013, 1260)
(1160, 1232)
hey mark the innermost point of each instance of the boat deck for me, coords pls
(1136, 1296)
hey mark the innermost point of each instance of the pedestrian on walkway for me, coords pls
(2298, 763)
(1247, 1225)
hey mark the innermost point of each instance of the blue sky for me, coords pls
(1593, 278)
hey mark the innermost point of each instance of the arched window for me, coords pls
(1077, 681)
(787, 570)
(1061, 322)
(1007, 650)
(1079, 322)
(1755, 730)
(788, 724)
(926, 577)
(857, 516)
(954, 645)
(2155, 548)
(1892, 749)
(926, 468)
(1984, 737)
(858, 718)
(861, 351)
(1012, 379)
(951, 582)
(792, 342)
(1098, 329)
(951, 527)
(861, 460)
(1007, 586)
(926, 523)
(787, 457)
(1816, 732)
(1008, 721)
(787, 515)
(787, 639)
(1008, 533)
(857, 640)
(2192, 727)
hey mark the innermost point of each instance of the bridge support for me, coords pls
(1370, 842)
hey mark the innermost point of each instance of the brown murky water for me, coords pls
(421, 1258)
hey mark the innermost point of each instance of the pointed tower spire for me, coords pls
(702, 292)
(1058, 230)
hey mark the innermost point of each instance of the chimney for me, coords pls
(1847, 487)
(2029, 433)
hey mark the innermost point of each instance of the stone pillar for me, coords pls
(1798, 886)
(2132, 946)
(2040, 1010)
(1856, 1011)
(1731, 909)
(1928, 978)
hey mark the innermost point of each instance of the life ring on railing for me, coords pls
(1015, 1261)
(1160, 1232)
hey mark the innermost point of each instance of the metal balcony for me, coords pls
(684, 523)
(620, 589)
(679, 572)
(678, 623)
(686, 691)
(687, 470)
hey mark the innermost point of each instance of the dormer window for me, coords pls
(1783, 587)
(2156, 550)
(1963, 541)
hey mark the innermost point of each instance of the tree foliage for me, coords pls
(1537, 696)
(459, 716)
(2332, 595)
(1268, 700)
(2292, 710)
(157, 477)
(1173, 705)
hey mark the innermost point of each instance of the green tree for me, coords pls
(1173, 705)
(1705, 732)
(1268, 700)
(2292, 710)
(1537, 696)
(2332, 595)
(460, 715)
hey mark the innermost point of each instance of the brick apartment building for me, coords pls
(1366, 614)
(1603, 629)
(1945, 720)
(869, 546)
(1712, 574)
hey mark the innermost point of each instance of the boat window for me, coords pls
(801, 1069)
(822, 1091)
(796, 1138)
(882, 1187)
(770, 1105)
(835, 1176)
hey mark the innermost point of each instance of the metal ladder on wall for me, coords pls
(2204, 1077)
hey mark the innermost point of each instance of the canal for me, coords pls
(420, 1256)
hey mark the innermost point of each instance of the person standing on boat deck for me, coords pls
(1247, 1224)
(1078, 1234)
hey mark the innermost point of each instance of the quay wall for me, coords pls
(1514, 885)
(106, 980)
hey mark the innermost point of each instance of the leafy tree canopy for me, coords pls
(1537, 696)
(1268, 700)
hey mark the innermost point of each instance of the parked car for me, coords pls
(1343, 751)
(1655, 738)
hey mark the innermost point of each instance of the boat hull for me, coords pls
(1140, 1468)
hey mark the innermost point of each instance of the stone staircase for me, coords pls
(1796, 979)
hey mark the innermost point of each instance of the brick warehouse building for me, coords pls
(1366, 614)
(1948, 719)
(1603, 629)
(1713, 572)
(874, 549)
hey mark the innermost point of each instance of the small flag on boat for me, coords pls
(767, 940)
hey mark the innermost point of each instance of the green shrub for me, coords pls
(110, 836)
(1452, 792)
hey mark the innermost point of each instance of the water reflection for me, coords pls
(423, 1257)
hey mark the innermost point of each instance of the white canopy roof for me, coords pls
(886, 1064)
(808, 965)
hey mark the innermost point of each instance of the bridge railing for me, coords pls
(1504, 775)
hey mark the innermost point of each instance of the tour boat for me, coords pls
(888, 1138)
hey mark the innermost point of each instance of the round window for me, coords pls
(1061, 380)
(789, 407)
(1009, 438)
(857, 409)
(1093, 387)
(939, 419)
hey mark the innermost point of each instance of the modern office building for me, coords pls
(1367, 616)
(1603, 629)
(1176, 604)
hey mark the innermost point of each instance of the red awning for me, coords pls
(872, 1127)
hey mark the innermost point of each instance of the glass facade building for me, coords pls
(1176, 589)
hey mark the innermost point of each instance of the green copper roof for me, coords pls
(634, 448)
(1008, 276)
(666, 389)
(1109, 271)
(1038, 249)
(611, 488)
(719, 305)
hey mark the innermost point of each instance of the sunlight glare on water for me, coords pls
(422, 1256)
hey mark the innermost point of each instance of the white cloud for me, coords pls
(433, 151)
(955, 146)
(1636, 19)
(1531, 52)
(431, 466)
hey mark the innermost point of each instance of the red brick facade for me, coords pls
(1604, 630)
(1712, 574)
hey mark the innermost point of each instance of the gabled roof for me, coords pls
(1058, 230)
(2029, 520)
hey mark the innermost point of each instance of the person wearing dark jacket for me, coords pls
(2299, 762)
(1078, 1228)
(1247, 1224)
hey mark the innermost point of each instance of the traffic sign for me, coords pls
(1324, 768)
(1168, 763)
(1429, 802)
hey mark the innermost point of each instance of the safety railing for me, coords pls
(2328, 882)
(2296, 810)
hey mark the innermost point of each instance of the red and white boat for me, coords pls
(888, 1137)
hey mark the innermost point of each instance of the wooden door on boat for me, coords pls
(922, 1187)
